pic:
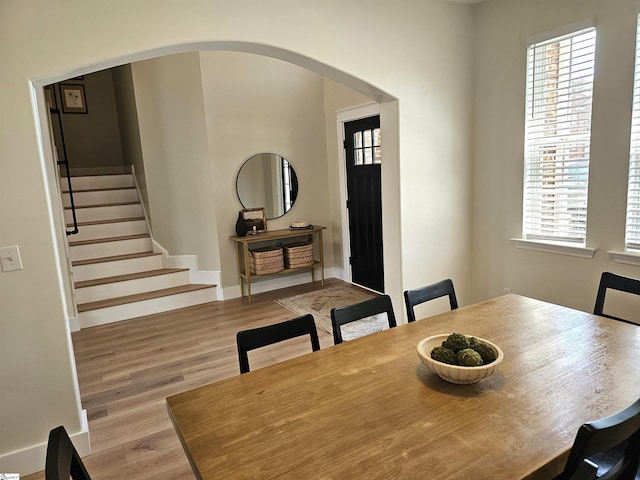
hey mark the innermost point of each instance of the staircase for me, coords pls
(117, 274)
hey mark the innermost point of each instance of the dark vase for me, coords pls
(241, 226)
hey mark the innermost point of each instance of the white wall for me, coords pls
(92, 139)
(252, 104)
(129, 126)
(435, 173)
(177, 162)
(257, 104)
(502, 29)
(415, 51)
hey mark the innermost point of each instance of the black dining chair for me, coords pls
(612, 281)
(262, 336)
(415, 297)
(600, 437)
(351, 313)
(587, 470)
(63, 460)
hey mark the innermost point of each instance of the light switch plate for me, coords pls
(10, 258)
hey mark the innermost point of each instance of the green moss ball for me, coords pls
(486, 351)
(469, 358)
(444, 355)
(456, 342)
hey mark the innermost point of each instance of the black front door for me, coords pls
(364, 201)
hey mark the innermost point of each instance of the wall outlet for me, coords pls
(10, 258)
(506, 291)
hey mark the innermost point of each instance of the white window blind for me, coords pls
(632, 236)
(557, 136)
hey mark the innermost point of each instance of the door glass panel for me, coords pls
(367, 138)
(357, 140)
(368, 156)
(367, 148)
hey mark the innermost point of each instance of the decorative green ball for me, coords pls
(456, 342)
(486, 351)
(469, 358)
(444, 355)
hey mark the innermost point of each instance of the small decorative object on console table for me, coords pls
(312, 236)
(241, 225)
(300, 226)
(255, 219)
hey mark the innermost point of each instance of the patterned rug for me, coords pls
(320, 303)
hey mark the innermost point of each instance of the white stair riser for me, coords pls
(109, 249)
(108, 230)
(97, 181)
(103, 316)
(116, 267)
(100, 196)
(114, 189)
(111, 212)
(131, 287)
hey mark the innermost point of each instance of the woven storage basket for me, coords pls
(266, 260)
(298, 255)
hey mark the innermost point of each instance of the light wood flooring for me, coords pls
(127, 369)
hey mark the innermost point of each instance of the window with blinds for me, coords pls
(557, 135)
(632, 234)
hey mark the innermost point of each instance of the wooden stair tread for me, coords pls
(108, 221)
(101, 189)
(114, 258)
(112, 302)
(109, 204)
(107, 199)
(129, 276)
(110, 239)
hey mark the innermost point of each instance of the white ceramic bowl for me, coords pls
(456, 373)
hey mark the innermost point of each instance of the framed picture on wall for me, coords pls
(73, 98)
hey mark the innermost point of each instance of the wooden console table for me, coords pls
(243, 245)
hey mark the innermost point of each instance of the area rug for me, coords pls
(320, 302)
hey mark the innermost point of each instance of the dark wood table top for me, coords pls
(369, 409)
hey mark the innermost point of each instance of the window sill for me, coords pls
(625, 257)
(558, 248)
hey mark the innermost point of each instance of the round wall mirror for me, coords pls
(267, 180)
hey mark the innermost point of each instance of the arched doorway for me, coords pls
(388, 104)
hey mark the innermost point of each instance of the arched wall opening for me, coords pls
(389, 118)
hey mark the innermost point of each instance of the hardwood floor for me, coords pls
(127, 369)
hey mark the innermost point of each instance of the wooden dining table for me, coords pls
(368, 408)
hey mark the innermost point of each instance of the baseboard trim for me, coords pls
(276, 283)
(214, 277)
(74, 324)
(32, 459)
(209, 277)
